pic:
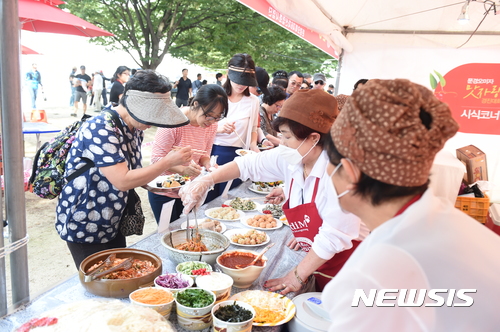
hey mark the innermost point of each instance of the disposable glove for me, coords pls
(195, 192)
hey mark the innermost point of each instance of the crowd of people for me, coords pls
(356, 172)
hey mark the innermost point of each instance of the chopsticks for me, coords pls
(244, 144)
(195, 151)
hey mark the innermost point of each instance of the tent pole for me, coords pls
(339, 66)
(15, 207)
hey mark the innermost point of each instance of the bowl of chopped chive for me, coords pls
(233, 316)
(194, 308)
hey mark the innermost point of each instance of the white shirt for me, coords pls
(338, 229)
(245, 113)
(97, 82)
(431, 245)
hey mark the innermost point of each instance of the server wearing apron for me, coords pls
(319, 225)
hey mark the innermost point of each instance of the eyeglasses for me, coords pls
(211, 118)
(319, 82)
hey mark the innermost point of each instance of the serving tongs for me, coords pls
(189, 234)
(106, 268)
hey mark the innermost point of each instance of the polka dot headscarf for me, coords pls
(381, 131)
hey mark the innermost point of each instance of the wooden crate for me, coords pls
(475, 207)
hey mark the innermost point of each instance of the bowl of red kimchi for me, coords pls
(136, 269)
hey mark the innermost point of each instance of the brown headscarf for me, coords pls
(341, 99)
(381, 131)
(312, 108)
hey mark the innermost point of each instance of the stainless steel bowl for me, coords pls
(118, 288)
(215, 242)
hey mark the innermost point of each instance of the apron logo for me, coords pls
(304, 243)
(301, 226)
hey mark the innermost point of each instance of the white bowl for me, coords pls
(220, 325)
(193, 277)
(215, 242)
(217, 282)
(243, 278)
(163, 309)
(194, 318)
(175, 290)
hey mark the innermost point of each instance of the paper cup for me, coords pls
(194, 319)
(163, 309)
(220, 325)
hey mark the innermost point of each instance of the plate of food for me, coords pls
(264, 187)
(264, 222)
(210, 224)
(243, 204)
(167, 183)
(272, 308)
(264, 147)
(275, 209)
(284, 220)
(247, 237)
(244, 152)
(224, 214)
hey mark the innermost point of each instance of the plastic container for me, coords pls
(475, 207)
(305, 318)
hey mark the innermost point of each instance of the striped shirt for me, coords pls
(197, 137)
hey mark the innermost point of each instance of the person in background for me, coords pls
(132, 72)
(318, 224)
(272, 102)
(239, 129)
(262, 80)
(81, 90)
(305, 86)
(97, 89)
(34, 79)
(308, 78)
(204, 82)
(295, 80)
(381, 149)
(120, 77)
(319, 81)
(208, 107)
(90, 206)
(360, 83)
(71, 77)
(330, 89)
(184, 89)
(280, 78)
(104, 89)
(197, 84)
(218, 78)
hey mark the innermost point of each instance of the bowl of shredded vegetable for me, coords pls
(160, 300)
(143, 267)
(173, 282)
(205, 246)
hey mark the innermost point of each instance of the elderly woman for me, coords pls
(421, 248)
(318, 224)
(271, 105)
(91, 206)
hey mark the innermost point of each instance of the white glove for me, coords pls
(194, 193)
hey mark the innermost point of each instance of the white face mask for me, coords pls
(293, 156)
(333, 187)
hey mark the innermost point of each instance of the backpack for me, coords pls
(47, 177)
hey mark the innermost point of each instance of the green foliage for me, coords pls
(204, 32)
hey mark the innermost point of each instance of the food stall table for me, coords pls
(38, 128)
(280, 261)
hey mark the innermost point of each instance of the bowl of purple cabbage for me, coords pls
(174, 282)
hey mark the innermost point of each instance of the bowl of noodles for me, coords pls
(143, 267)
(205, 246)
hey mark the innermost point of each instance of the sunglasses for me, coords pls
(319, 82)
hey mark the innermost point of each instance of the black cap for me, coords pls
(82, 67)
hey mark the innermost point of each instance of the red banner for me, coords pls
(265, 9)
(473, 93)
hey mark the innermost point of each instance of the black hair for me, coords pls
(283, 83)
(204, 82)
(298, 73)
(376, 191)
(361, 81)
(298, 130)
(241, 60)
(276, 93)
(119, 71)
(198, 75)
(133, 71)
(184, 69)
(280, 74)
(210, 96)
(218, 75)
(331, 86)
(147, 80)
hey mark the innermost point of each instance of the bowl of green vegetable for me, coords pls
(193, 269)
(194, 308)
(233, 316)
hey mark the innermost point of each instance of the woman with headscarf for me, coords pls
(319, 226)
(421, 248)
(91, 206)
(239, 129)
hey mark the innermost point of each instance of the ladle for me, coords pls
(241, 266)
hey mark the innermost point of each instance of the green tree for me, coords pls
(204, 32)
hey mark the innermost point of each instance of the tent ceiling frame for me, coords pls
(422, 32)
